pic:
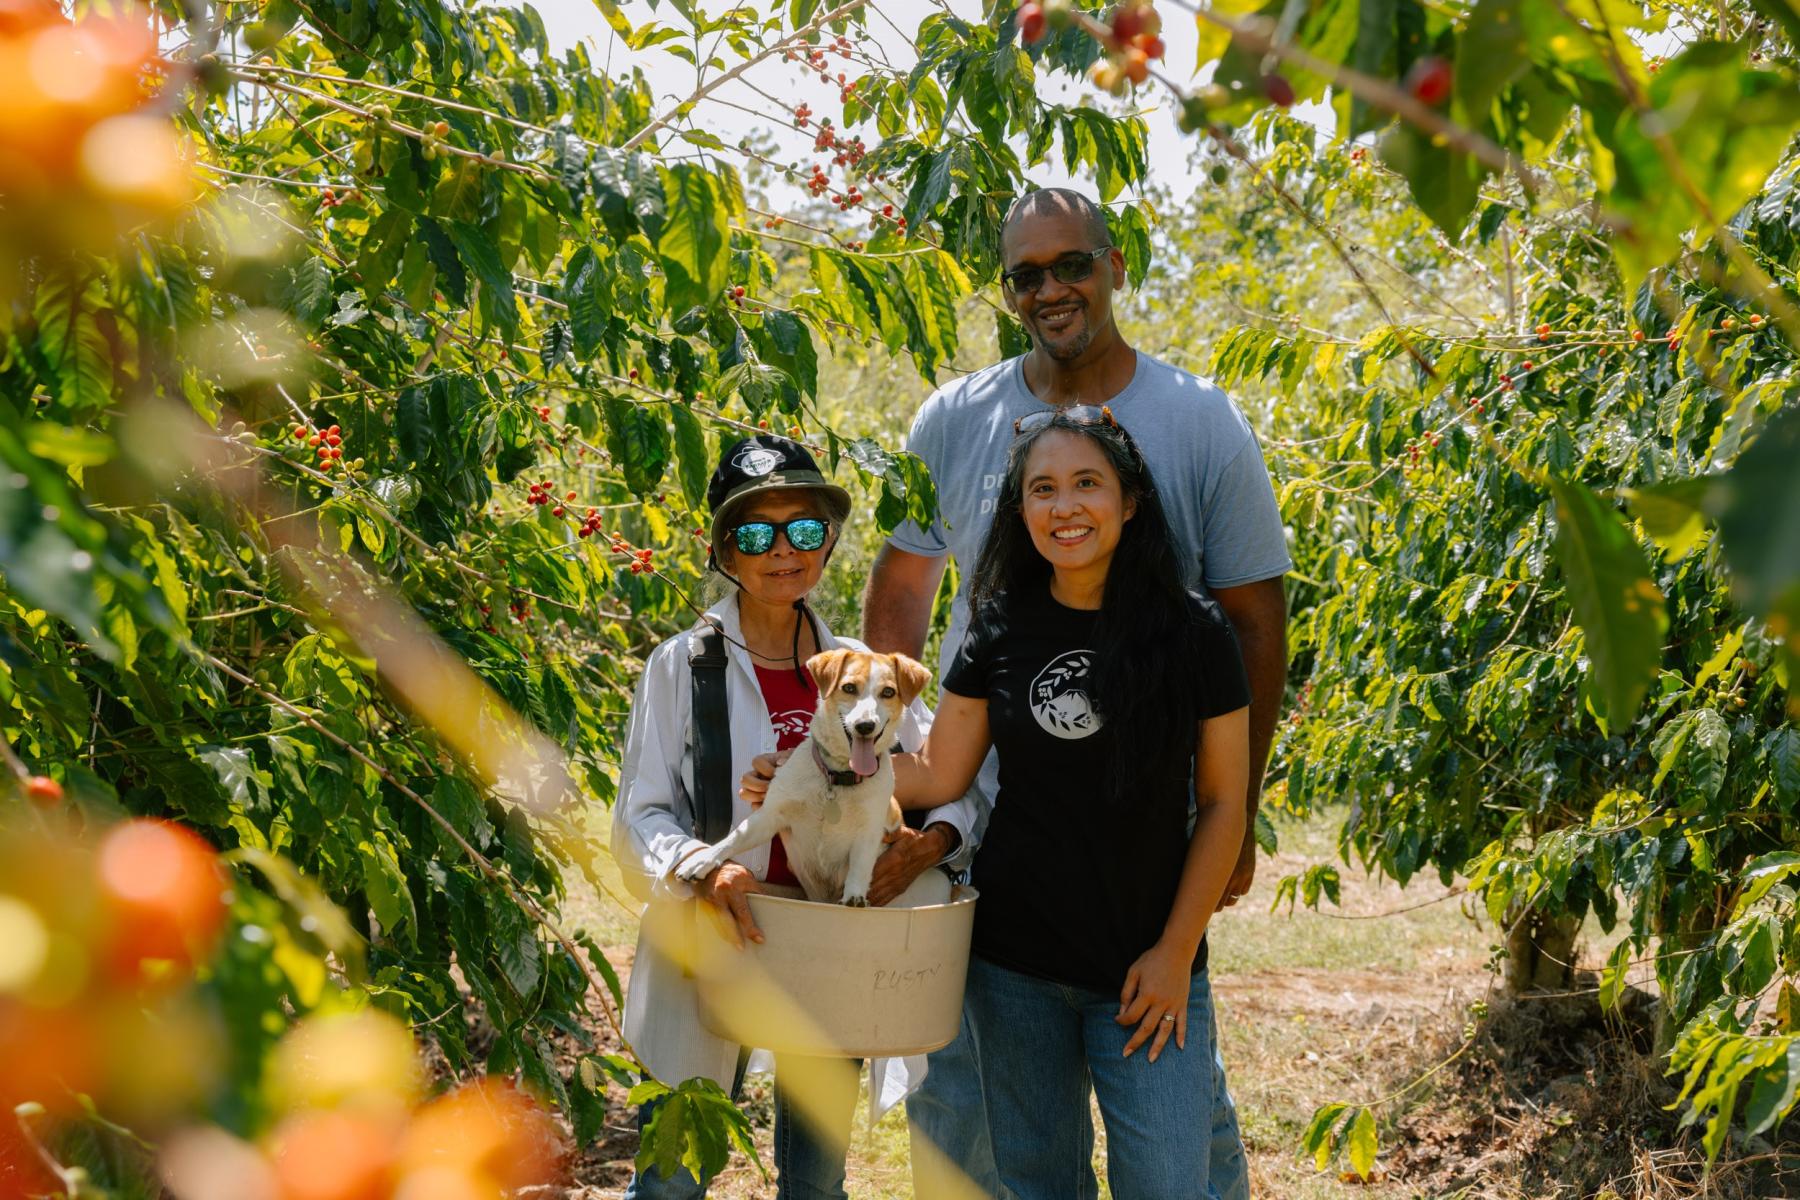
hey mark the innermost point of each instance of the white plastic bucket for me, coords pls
(840, 982)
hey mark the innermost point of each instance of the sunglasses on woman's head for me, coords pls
(1070, 268)
(1081, 414)
(758, 537)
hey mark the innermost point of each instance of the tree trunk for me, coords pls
(1540, 953)
(1690, 930)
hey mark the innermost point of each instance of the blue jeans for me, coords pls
(810, 1145)
(1044, 1045)
(947, 1120)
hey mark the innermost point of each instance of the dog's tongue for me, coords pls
(862, 755)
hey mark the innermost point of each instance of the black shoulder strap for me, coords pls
(712, 739)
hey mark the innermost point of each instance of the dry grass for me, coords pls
(1320, 1007)
(1351, 1005)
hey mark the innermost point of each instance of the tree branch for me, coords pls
(797, 37)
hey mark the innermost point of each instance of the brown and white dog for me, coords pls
(833, 799)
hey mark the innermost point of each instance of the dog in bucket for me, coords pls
(832, 801)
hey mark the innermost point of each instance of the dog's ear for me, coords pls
(826, 667)
(913, 676)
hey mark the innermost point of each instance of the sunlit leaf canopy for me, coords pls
(1516, 387)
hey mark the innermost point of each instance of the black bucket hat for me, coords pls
(762, 463)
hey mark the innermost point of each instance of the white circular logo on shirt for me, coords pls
(1059, 698)
(795, 723)
(756, 460)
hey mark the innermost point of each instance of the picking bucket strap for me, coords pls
(712, 738)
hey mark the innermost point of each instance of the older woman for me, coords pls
(775, 521)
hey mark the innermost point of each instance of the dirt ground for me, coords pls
(1387, 997)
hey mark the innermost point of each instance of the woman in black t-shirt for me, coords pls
(1109, 691)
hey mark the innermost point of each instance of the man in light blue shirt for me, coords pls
(1060, 274)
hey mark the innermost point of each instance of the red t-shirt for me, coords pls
(791, 707)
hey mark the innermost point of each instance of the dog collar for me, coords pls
(844, 778)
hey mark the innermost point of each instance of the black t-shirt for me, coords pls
(1073, 886)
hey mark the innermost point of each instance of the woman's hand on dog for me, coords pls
(727, 889)
(755, 783)
(1155, 987)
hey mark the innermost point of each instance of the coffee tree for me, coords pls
(362, 368)
(1523, 340)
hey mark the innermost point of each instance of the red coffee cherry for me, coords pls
(1429, 80)
(43, 791)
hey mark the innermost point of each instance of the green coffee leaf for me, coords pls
(1321, 1136)
(477, 250)
(1445, 181)
(1612, 978)
(1265, 833)
(412, 413)
(695, 242)
(69, 338)
(1673, 514)
(587, 291)
(1759, 523)
(638, 439)
(692, 459)
(1783, 750)
(1618, 606)
(1359, 1143)
(1772, 1095)
(383, 248)
(309, 283)
(1491, 52)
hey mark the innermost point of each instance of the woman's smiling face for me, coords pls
(1073, 503)
(783, 574)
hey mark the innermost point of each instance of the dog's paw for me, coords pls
(697, 866)
(856, 900)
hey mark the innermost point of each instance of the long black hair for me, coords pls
(1146, 645)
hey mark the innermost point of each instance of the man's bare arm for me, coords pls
(1258, 613)
(897, 602)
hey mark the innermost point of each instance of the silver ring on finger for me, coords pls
(1167, 1017)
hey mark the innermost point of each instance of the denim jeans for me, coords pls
(1044, 1045)
(815, 1104)
(947, 1121)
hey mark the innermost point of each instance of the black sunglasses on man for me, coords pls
(1070, 268)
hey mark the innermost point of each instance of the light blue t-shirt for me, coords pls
(1207, 465)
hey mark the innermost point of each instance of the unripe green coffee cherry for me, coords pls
(213, 78)
(1214, 95)
(1193, 116)
(261, 35)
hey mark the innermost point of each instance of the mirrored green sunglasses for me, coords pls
(757, 537)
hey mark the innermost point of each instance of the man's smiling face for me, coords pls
(1062, 319)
